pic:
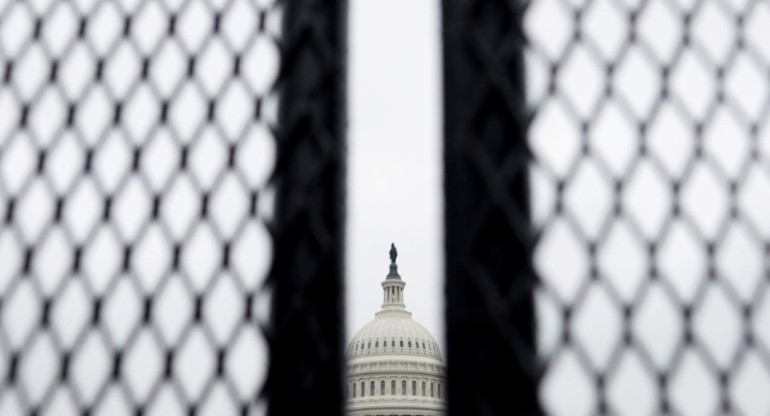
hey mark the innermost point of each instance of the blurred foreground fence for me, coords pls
(171, 201)
(608, 179)
(172, 207)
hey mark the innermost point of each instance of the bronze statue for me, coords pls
(393, 253)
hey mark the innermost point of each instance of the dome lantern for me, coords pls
(393, 286)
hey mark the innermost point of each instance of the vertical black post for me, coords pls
(306, 327)
(492, 365)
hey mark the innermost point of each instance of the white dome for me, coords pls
(394, 363)
(393, 333)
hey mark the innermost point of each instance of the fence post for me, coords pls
(306, 328)
(492, 365)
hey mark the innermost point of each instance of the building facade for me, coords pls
(394, 363)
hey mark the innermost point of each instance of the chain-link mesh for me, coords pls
(649, 191)
(136, 142)
(652, 190)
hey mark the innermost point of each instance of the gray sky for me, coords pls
(394, 158)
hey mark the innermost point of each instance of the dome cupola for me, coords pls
(393, 286)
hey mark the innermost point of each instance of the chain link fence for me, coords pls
(171, 192)
(638, 196)
(137, 142)
(651, 186)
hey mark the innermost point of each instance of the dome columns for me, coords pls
(393, 295)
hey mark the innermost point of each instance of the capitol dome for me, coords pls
(394, 363)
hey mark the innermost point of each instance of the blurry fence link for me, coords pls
(650, 188)
(619, 151)
(151, 154)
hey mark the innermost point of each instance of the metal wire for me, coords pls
(639, 200)
(137, 139)
(650, 187)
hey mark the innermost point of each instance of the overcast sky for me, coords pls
(394, 155)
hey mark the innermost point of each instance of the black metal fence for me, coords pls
(627, 168)
(161, 162)
(171, 196)
(492, 362)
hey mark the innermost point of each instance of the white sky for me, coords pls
(394, 158)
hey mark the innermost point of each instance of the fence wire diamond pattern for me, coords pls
(136, 140)
(651, 187)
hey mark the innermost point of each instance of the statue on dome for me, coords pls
(393, 253)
